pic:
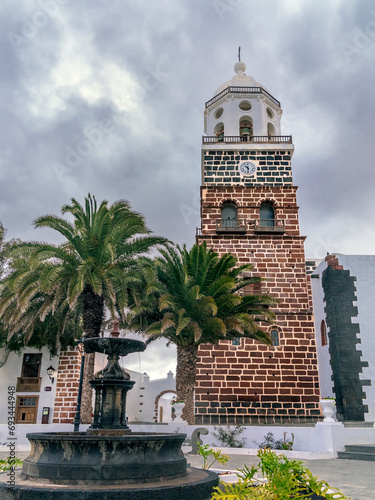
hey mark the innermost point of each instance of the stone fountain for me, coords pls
(108, 461)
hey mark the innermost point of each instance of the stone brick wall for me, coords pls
(345, 357)
(254, 383)
(220, 167)
(67, 387)
(248, 201)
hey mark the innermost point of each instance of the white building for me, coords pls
(37, 379)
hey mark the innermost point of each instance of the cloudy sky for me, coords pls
(107, 97)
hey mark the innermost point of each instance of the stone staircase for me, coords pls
(358, 452)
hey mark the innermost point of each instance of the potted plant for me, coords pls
(328, 406)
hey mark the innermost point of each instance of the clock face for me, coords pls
(247, 168)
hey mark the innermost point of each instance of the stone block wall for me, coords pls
(220, 167)
(67, 387)
(345, 356)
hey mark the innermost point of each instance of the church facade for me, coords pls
(249, 208)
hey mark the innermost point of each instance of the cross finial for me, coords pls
(239, 54)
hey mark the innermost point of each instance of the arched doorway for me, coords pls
(163, 407)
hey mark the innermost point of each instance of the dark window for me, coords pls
(236, 341)
(275, 338)
(267, 215)
(323, 332)
(31, 365)
(229, 215)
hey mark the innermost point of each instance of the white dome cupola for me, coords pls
(242, 109)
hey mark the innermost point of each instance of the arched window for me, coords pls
(275, 338)
(323, 332)
(270, 130)
(219, 131)
(246, 128)
(267, 215)
(229, 215)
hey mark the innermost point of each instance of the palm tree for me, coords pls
(88, 272)
(196, 297)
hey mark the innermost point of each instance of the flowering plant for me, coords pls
(329, 398)
(174, 401)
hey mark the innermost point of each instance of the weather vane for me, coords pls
(239, 54)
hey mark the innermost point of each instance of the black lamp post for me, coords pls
(77, 418)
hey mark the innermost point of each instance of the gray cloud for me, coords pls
(146, 69)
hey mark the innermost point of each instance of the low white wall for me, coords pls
(355, 435)
(321, 441)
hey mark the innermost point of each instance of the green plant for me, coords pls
(247, 474)
(320, 487)
(284, 480)
(228, 436)
(10, 463)
(241, 491)
(279, 444)
(287, 445)
(206, 452)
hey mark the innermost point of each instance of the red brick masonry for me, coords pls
(67, 387)
(254, 383)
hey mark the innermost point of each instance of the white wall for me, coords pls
(325, 370)
(8, 377)
(152, 389)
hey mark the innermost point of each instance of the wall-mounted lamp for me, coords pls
(51, 373)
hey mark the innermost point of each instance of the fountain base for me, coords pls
(197, 484)
(104, 455)
(107, 465)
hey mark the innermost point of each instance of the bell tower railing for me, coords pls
(242, 90)
(252, 139)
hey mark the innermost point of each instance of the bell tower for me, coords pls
(249, 208)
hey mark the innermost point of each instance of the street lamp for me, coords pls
(51, 373)
(77, 418)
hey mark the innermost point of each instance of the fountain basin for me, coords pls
(197, 485)
(70, 457)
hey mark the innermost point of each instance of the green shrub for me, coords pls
(285, 479)
(279, 444)
(228, 436)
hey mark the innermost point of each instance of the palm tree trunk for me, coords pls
(5, 356)
(185, 380)
(88, 374)
(93, 309)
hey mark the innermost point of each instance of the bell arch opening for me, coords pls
(219, 131)
(271, 131)
(246, 128)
